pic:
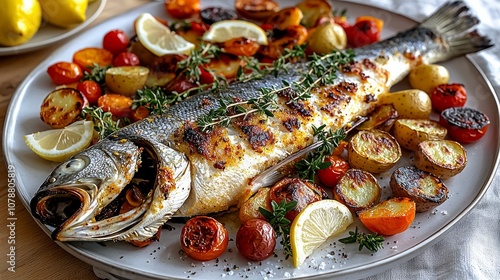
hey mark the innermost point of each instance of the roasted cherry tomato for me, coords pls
(91, 90)
(256, 239)
(206, 77)
(115, 41)
(295, 189)
(204, 238)
(201, 27)
(139, 113)
(87, 57)
(182, 9)
(332, 174)
(212, 15)
(465, 125)
(448, 95)
(63, 73)
(126, 59)
(180, 85)
(362, 33)
(241, 46)
(117, 104)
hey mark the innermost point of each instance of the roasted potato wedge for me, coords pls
(427, 190)
(126, 80)
(382, 118)
(145, 56)
(373, 150)
(313, 10)
(390, 216)
(250, 208)
(62, 107)
(358, 190)
(443, 158)
(428, 76)
(285, 18)
(410, 104)
(410, 132)
(256, 9)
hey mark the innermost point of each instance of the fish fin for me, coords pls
(454, 22)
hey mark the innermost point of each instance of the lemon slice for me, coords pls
(229, 29)
(60, 144)
(315, 224)
(158, 38)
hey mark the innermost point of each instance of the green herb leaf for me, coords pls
(280, 224)
(373, 242)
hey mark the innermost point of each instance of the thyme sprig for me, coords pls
(322, 71)
(97, 74)
(306, 168)
(372, 242)
(104, 123)
(191, 66)
(280, 224)
(155, 100)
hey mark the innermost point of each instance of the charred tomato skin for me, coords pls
(203, 238)
(256, 239)
(212, 15)
(446, 96)
(465, 125)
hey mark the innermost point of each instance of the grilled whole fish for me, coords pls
(191, 172)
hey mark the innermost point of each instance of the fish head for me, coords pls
(80, 187)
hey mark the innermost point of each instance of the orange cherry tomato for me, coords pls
(256, 239)
(389, 217)
(182, 9)
(140, 113)
(241, 46)
(378, 22)
(465, 125)
(87, 57)
(332, 174)
(91, 90)
(448, 95)
(64, 73)
(117, 104)
(204, 238)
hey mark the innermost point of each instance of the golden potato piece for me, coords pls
(313, 10)
(126, 80)
(285, 18)
(256, 9)
(62, 107)
(250, 208)
(373, 150)
(382, 118)
(409, 132)
(410, 104)
(427, 190)
(428, 76)
(358, 190)
(443, 158)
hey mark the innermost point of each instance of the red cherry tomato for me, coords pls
(182, 9)
(206, 77)
(181, 85)
(448, 95)
(465, 125)
(126, 59)
(63, 73)
(362, 33)
(91, 90)
(200, 27)
(117, 104)
(332, 174)
(204, 238)
(256, 240)
(115, 41)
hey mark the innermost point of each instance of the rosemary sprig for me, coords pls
(315, 161)
(97, 74)
(280, 224)
(372, 241)
(104, 123)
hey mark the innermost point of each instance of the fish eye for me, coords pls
(74, 165)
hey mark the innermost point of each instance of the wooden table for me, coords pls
(37, 256)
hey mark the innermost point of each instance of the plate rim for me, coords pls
(27, 47)
(98, 261)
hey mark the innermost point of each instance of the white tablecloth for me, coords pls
(471, 249)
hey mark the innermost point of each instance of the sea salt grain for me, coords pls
(444, 212)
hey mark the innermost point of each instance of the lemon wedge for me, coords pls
(229, 29)
(315, 224)
(19, 21)
(64, 13)
(60, 144)
(158, 38)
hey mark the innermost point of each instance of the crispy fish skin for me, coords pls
(208, 172)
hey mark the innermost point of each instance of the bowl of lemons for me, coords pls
(28, 25)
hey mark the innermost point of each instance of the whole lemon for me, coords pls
(19, 21)
(64, 13)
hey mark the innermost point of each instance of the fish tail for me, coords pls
(454, 23)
